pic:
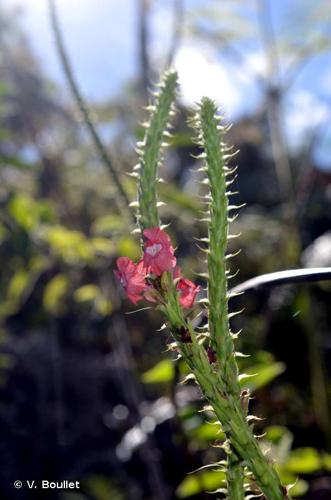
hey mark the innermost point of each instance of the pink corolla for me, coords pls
(132, 278)
(187, 292)
(158, 251)
(158, 258)
(187, 289)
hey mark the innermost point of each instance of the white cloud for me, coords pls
(303, 111)
(200, 74)
(256, 62)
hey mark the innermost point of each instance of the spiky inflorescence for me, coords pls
(215, 156)
(220, 387)
(150, 150)
(216, 153)
(210, 136)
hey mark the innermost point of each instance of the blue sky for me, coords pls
(100, 36)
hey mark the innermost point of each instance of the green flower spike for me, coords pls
(210, 136)
(151, 148)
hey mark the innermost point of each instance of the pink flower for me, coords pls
(187, 292)
(132, 278)
(158, 251)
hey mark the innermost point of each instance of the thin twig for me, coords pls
(143, 37)
(285, 277)
(270, 280)
(274, 97)
(177, 30)
(81, 104)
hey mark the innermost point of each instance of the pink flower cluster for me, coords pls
(138, 280)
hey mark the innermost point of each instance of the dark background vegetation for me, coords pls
(88, 392)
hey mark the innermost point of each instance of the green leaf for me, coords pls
(18, 285)
(285, 475)
(162, 372)
(304, 461)
(103, 306)
(55, 293)
(28, 213)
(128, 247)
(22, 284)
(259, 376)
(194, 484)
(107, 224)
(93, 294)
(281, 439)
(70, 245)
(103, 246)
(86, 293)
(299, 488)
(275, 433)
(326, 460)
(23, 209)
(208, 431)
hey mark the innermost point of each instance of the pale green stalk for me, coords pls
(216, 154)
(226, 406)
(235, 477)
(215, 157)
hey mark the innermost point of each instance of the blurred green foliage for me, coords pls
(60, 235)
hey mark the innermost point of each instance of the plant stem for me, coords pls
(246, 446)
(83, 108)
(226, 406)
(215, 155)
(218, 380)
(235, 477)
